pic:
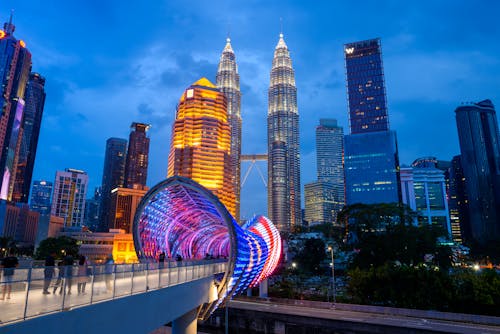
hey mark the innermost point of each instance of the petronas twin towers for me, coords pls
(282, 134)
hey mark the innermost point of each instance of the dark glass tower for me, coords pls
(283, 143)
(136, 167)
(113, 176)
(458, 204)
(228, 81)
(15, 66)
(371, 151)
(41, 194)
(480, 154)
(33, 110)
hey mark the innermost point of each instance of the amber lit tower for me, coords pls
(228, 81)
(283, 143)
(201, 136)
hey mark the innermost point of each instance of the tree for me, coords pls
(61, 246)
(6, 243)
(311, 256)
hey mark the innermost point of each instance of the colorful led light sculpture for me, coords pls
(180, 217)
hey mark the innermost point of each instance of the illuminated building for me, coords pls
(124, 202)
(18, 222)
(479, 139)
(283, 196)
(201, 137)
(123, 248)
(40, 197)
(330, 161)
(180, 217)
(113, 176)
(33, 110)
(136, 167)
(320, 202)
(15, 66)
(68, 198)
(228, 81)
(371, 161)
(424, 191)
(459, 211)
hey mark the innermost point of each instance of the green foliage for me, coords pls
(311, 255)
(57, 245)
(426, 288)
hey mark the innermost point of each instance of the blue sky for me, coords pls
(109, 63)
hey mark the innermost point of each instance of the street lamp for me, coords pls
(330, 248)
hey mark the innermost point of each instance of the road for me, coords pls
(368, 318)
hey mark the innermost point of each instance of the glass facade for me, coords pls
(283, 143)
(479, 139)
(365, 87)
(201, 138)
(41, 196)
(113, 176)
(33, 110)
(15, 66)
(371, 151)
(228, 81)
(459, 213)
(371, 168)
(424, 190)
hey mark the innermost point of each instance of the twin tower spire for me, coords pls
(206, 144)
(282, 133)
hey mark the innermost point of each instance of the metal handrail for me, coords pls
(69, 290)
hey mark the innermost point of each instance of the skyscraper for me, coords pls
(41, 196)
(329, 158)
(320, 204)
(15, 66)
(68, 198)
(113, 176)
(228, 81)
(136, 167)
(93, 210)
(283, 196)
(371, 151)
(459, 212)
(201, 141)
(35, 101)
(480, 154)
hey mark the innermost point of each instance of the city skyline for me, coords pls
(142, 81)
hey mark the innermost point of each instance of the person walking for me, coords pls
(8, 264)
(161, 260)
(48, 272)
(60, 277)
(68, 273)
(82, 274)
(109, 267)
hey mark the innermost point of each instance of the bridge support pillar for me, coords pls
(186, 324)
(263, 287)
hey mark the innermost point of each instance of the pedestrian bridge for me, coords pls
(137, 299)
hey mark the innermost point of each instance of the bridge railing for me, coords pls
(67, 289)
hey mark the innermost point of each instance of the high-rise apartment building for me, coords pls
(371, 151)
(136, 167)
(68, 198)
(33, 110)
(330, 159)
(283, 196)
(228, 81)
(423, 189)
(15, 66)
(113, 176)
(479, 139)
(41, 195)
(320, 202)
(201, 141)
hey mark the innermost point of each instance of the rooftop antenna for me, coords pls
(281, 27)
(9, 27)
(228, 39)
